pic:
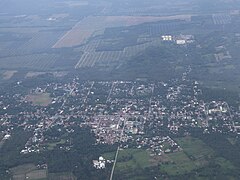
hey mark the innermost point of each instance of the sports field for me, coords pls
(41, 99)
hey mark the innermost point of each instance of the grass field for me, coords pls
(178, 163)
(42, 99)
(233, 141)
(61, 176)
(40, 174)
(28, 171)
(34, 74)
(194, 148)
(225, 164)
(51, 146)
(195, 154)
(109, 156)
(8, 74)
(91, 25)
(132, 158)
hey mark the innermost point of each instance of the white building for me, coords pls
(181, 42)
(100, 163)
(167, 38)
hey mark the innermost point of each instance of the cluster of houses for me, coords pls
(179, 39)
(101, 163)
(118, 112)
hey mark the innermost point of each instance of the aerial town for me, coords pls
(129, 113)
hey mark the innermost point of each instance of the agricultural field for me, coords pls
(37, 174)
(31, 172)
(32, 74)
(195, 154)
(34, 61)
(194, 157)
(61, 176)
(105, 58)
(95, 25)
(51, 146)
(8, 75)
(109, 155)
(26, 41)
(194, 148)
(41, 99)
(221, 18)
(119, 44)
(28, 171)
(132, 159)
(178, 163)
(131, 162)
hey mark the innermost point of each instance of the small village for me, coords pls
(137, 114)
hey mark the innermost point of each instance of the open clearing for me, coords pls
(31, 172)
(28, 171)
(195, 148)
(61, 176)
(95, 25)
(37, 174)
(8, 74)
(178, 163)
(129, 162)
(132, 158)
(109, 155)
(32, 74)
(91, 57)
(41, 99)
(51, 146)
(195, 154)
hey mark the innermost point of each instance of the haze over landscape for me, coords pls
(110, 89)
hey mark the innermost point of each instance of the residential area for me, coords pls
(139, 114)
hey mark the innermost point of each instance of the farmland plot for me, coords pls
(221, 19)
(121, 43)
(105, 57)
(42, 40)
(18, 44)
(92, 58)
(34, 61)
(87, 27)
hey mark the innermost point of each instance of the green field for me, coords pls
(132, 158)
(195, 154)
(109, 155)
(225, 164)
(61, 176)
(131, 163)
(178, 163)
(51, 146)
(194, 148)
(28, 171)
(31, 172)
(40, 174)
